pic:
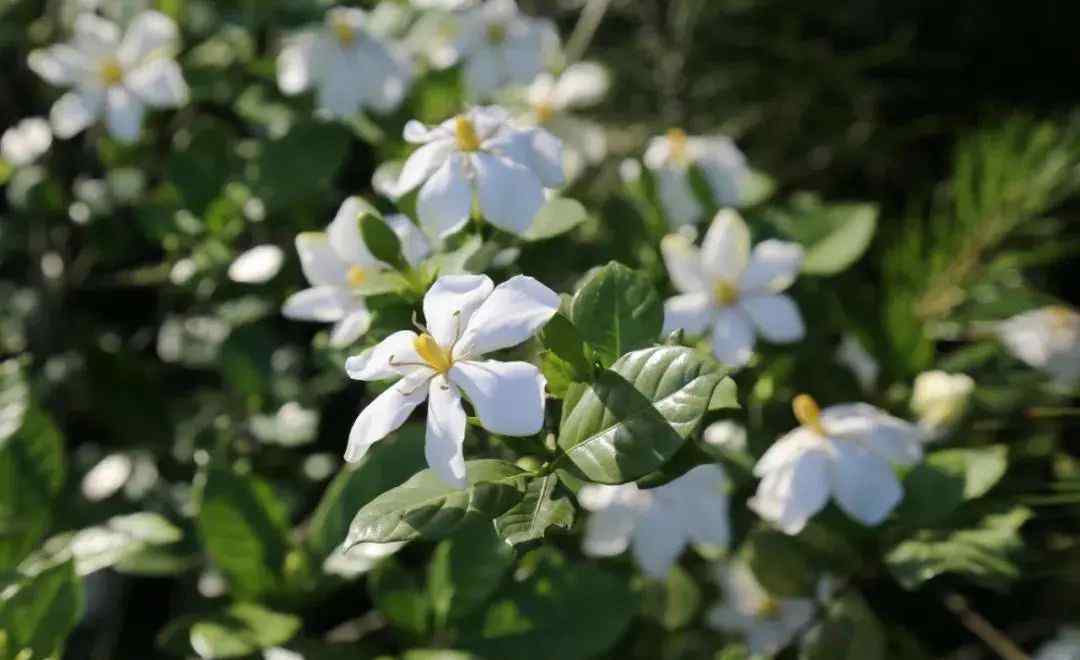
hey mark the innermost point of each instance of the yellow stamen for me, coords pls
(344, 32)
(496, 33)
(111, 72)
(544, 111)
(465, 134)
(356, 276)
(725, 293)
(1061, 316)
(768, 609)
(429, 351)
(808, 413)
(677, 143)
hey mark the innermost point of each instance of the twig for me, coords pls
(583, 32)
(983, 629)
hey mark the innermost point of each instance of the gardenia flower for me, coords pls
(501, 46)
(257, 265)
(113, 76)
(1047, 339)
(337, 263)
(350, 67)
(846, 451)
(719, 161)
(26, 141)
(767, 624)
(939, 399)
(467, 318)
(1066, 646)
(480, 154)
(852, 355)
(734, 292)
(657, 524)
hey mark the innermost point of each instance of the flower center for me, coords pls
(544, 111)
(465, 134)
(496, 33)
(356, 276)
(768, 609)
(429, 351)
(677, 144)
(725, 293)
(344, 32)
(1061, 316)
(808, 413)
(111, 72)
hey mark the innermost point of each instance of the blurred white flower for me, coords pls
(350, 68)
(735, 292)
(447, 5)
(107, 477)
(113, 75)
(1066, 646)
(26, 141)
(852, 355)
(721, 164)
(659, 523)
(480, 154)
(767, 624)
(1047, 339)
(940, 399)
(337, 263)
(726, 435)
(257, 265)
(290, 426)
(500, 46)
(845, 451)
(467, 318)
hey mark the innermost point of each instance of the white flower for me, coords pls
(337, 263)
(114, 76)
(479, 153)
(1066, 646)
(257, 265)
(467, 318)
(940, 399)
(501, 46)
(719, 161)
(349, 67)
(1047, 339)
(846, 451)
(735, 292)
(26, 141)
(657, 524)
(766, 623)
(446, 5)
(852, 355)
(725, 435)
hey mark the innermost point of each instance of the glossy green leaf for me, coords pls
(538, 511)
(780, 564)
(617, 310)
(637, 414)
(833, 235)
(235, 631)
(558, 216)
(31, 474)
(466, 569)
(675, 601)
(38, 613)
(948, 478)
(399, 596)
(381, 240)
(317, 150)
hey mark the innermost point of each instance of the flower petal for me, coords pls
(484, 72)
(257, 265)
(726, 248)
(295, 64)
(451, 302)
(321, 264)
(424, 162)
(786, 450)
(608, 530)
(445, 432)
(386, 414)
(352, 327)
(150, 33)
(791, 494)
(893, 439)
(773, 267)
(536, 149)
(864, 484)
(776, 317)
(374, 363)
(658, 540)
(416, 132)
(510, 194)
(123, 114)
(94, 35)
(414, 245)
(445, 201)
(159, 84)
(513, 312)
(326, 304)
(388, 75)
(508, 396)
(690, 312)
(340, 91)
(74, 111)
(344, 236)
(677, 198)
(683, 261)
(59, 65)
(732, 337)
(702, 497)
(581, 84)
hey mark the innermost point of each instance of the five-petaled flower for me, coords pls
(479, 153)
(350, 67)
(847, 451)
(657, 524)
(767, 623)
(113, 75)
(735, 292)
(467, 318)
(501, 46)
(1047, 338)
(337, 263)
(723, 167)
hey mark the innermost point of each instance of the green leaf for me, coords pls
(674, 602)
(617, 310)
(558, 216)
(118, 539)
(725, 396)
(561, 338)
(245, 530)
(31, 475)
(948, 478)
(238, 630)
(849, 630)
(834, 235)
(466, 569)
(638, 413)
(38, 613)
(427, 506)
(983, 554)
(399, 597)
(537, 511)
(565, 611)
(780, 564)
(381, 240)
(301, 163)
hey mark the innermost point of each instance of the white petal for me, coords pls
(515, 310)
(326, 304)
(321, 264)
(159, 84)
(683, 261)
(581, 84)
(484, 72)
(690, 312)
(345, 238)
(417, 133)
(510, 195)
(423, 163)
(150, 33)
(522, 59)
(123, 114)
(677, 197)
(346, 331)
(608, 530)
(786, 449)
(791, 494)
(386, 414)
(773, 267)
(864, 484)
(450, 303)
(658, 541)
(295, 65)
(732, 337)
(703, 504)
(374, 363)
(723, 166)
(26, 141)
(536, 149)
(59, 65)
(776, 317)
(257, 265)
(94, 35)
(388, 74)
(893, 439)
(445, 432)
(414, 245)
(508, 396)
(74, 111)
(445, 200)
(726, 248)
(340, 91)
